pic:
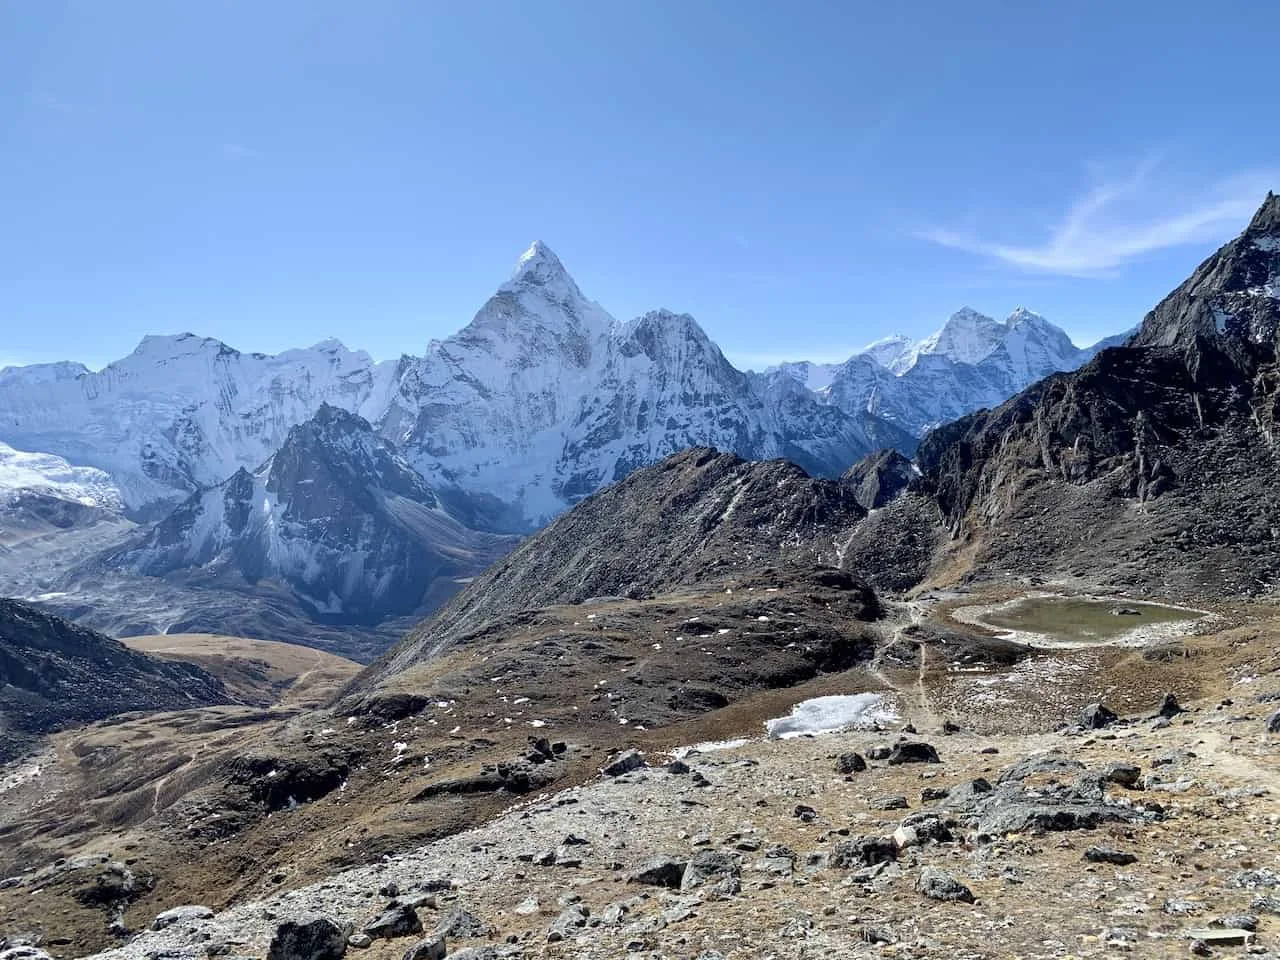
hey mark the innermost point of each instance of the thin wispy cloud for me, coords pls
(1119, 221)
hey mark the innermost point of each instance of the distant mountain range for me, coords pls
(539, 401)
(971, 363)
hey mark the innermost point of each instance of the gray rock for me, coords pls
(572, 918)
(430, 948)
(913, 751)
(624, 762)
(1033, 765)
(1123, 774)
(892, 802)
(24, 952)
(317, 939)
(1236, 921)
(879, 753)
(850, 762)
(863, 852)
(400, 920)
(1096, 716)
(179, 914)
(359, 940)
(1273, 722)
(937, 884)
(460, 924)
(1266, 904)
(1021, 816)
(708, 865)
(475, 953)
(661, 872)
(1249, 879)
(1109, 855)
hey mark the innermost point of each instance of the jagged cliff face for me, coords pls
(1154, 462)
(336, 515)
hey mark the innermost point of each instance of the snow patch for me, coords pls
(831, 715)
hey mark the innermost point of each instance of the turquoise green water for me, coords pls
(1074, 619)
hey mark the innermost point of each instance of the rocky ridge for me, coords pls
(336, 514)
(54, 674)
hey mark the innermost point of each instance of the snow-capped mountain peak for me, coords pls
(890, 352)
(967, 337)
(539, 267)
(1022, 315)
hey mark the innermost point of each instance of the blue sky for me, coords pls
(802, 177)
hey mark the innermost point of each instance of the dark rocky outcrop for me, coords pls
(878, 478)
(1180, 423)
(54, 674)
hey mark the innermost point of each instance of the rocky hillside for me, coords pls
(336, 514)
(697, 516)
(54, 674)
(1154, 465)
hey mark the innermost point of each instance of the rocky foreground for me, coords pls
(1153, 834)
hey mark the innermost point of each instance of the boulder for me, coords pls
(460, 924)
(1124, 774)
(850, 762)
(937, 884)
(708, 865)
(399, 920)
(431, 948)
(1273, 723)
(1119, 858)
(572, 918)
(316, 939)
(913, 751)
(863, 852)
(661, 872)
(624, 762)
(1096, 716)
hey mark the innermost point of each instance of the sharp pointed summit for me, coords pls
(539, 265)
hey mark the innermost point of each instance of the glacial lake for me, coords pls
(1081, 620)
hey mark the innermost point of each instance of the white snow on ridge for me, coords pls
(54, 476)
(831, 715)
